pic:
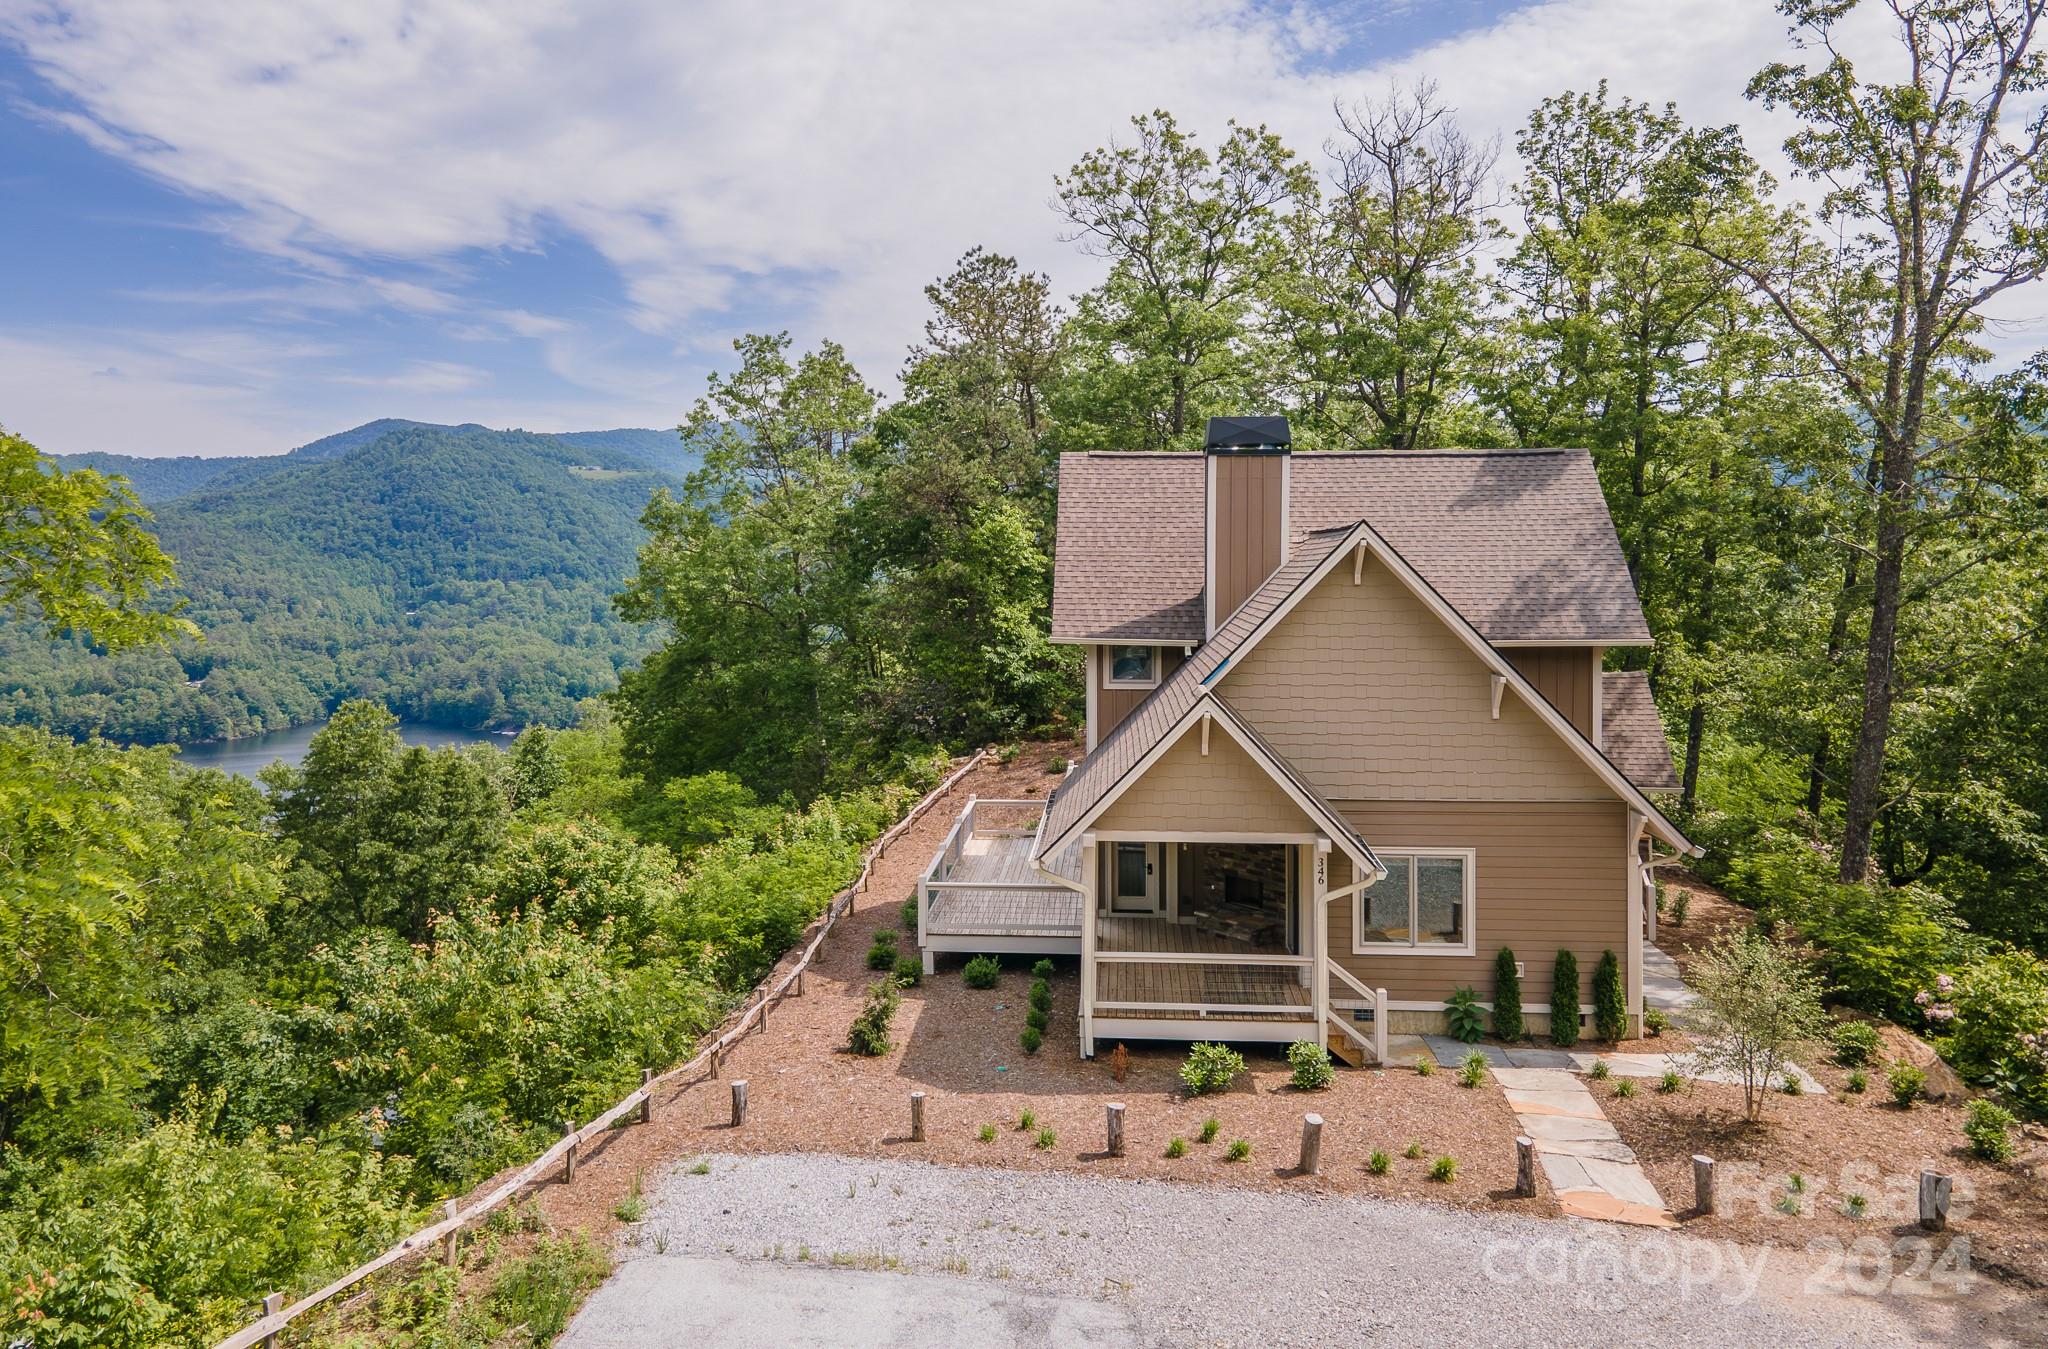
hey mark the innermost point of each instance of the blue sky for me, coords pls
(232, 229)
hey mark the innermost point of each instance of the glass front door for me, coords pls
(1134, 878)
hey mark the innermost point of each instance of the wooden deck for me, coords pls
(985, 893)
(1126, 932)
(1177, 989)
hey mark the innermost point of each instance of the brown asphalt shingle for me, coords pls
(1633, 732)
(1518, 541)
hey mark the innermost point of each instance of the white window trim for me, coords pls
(1470, 856)
(1109, 679)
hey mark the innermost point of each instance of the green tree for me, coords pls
(76, 553)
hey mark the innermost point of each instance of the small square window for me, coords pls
(1134, 665)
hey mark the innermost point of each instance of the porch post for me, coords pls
(1634, 873)
(1319, 940)
(1090, 882)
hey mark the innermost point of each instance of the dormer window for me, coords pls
(1133, 667)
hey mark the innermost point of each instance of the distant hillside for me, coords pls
(462, 575)
(157, 481)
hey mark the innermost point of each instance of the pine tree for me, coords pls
(1564, 1000)
(1610, 999)
(1507, 997)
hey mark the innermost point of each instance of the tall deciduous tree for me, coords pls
(1935, 204)
(1193, 240)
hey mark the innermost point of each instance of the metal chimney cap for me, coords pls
(1247, 435)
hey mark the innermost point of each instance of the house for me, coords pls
(1348, 736)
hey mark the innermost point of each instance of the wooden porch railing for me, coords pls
(754, 1012)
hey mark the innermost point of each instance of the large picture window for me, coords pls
(1133, 667)
(1423, 907)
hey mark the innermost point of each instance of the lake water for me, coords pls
(251, 754)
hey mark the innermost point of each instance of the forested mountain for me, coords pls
(458, 574)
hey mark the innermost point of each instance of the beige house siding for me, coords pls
(1567, 675)
(1224, 791)
(1247, 532)
(1372, 696)
(1113, 705)
(1548, 877)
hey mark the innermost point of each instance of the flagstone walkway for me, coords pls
(1594, 1173)
(1448, 1052)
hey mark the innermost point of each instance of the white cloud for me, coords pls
(751, 165)
(424, 377)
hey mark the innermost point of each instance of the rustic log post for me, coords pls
(739, 1103)
(800, 980)
(1703, 1185)
(761, 1020)
(569, 1157)
(1311, 1145)
(917, 1117)
(1525, 1166)
(647, 1099)
(273, 1303)
(448, 1255)
(716, 1046)
(1935, 1189)
(1113, 1127)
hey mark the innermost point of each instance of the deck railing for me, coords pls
(937, 879)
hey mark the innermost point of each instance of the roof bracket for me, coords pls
(1358, 564)
(1500, 683)
(1205, 735)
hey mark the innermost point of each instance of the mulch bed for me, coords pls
(1709, 914)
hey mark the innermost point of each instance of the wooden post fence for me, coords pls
(1311, 1145)
(1525, 1166)
(917, 1117)
(1935, 1190)
(1703, 1185)
(266, 1330)
(1113, 1128)
(448, 1252)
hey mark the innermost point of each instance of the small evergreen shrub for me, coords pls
(1444, 1169)
(1858, 1083)
(982, 972)
(907, 915)
(1669, 1083)
(882, 954)
(1681, 905)
(1238, 1151)
(1472, 1070)
(1414, 1151)
(1210, 1068)
(1507, 996)
(1610, 999)
(1311, 1064)
(869, 1034)
(1462, 1011)
(909, 971)
(1176, 1146)
(1037, 1020)
(1655, 1023)
(1989, 1129)
(1855, 1043)
(1210, 1127)
(1379, 1163)
(1043, 969)
(1056, 764)
(1905, 1081)
(1030, 1038)
(1041, 996)
(1564, 1000)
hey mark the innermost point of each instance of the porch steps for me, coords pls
(1345, 1048)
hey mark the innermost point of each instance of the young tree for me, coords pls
(1381, 307)
(1194, 242)
(1935, 204)
(1757, 1003)
(76, 553)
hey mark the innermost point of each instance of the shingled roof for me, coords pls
(1518, 541)
(1631, 732)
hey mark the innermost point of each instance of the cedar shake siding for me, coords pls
(1245, 535)
(1566, 675)
(1222, 792)
(1113, 705)
(1371, 696)
(1547, 877)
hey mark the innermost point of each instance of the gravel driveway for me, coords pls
(820, 1250)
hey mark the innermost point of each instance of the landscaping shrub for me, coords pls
(1792, 1086)
(1610, 999)
(1031, 1038)
(882, 953)
(1176, 1146)
(1655, 1023)
(1472, 1071)
(910, 971)
(1906, 1082)
(1989, 1129)
(1037, 1019)
(988, 1133)
(1599, 1070)
(1027, 1120)
(1670, 1082)
(1564, 1000)
(1998, 1036)
(1043, 969)
(1047, 1140)
(1379, 1163)
(1311, 1064)
(1855, 1043)
(982, 972)
(1425, 1066)
(1239, 1150)
(869, 1033)
(1757, 1002)
(1210, 1127)
(1680, 908)
(1041, 995)
(1624, 1087)
(1858, 1083)
(907, 915)
(1119, 1061)
(1414, 1151)
(1507, 996)
(1444, 1168)
(1878, 945)
(1210, 1068)
(1467, 1021)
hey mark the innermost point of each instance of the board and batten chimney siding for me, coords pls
(1112, 705)
(1567, 675)
(1247, 527)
